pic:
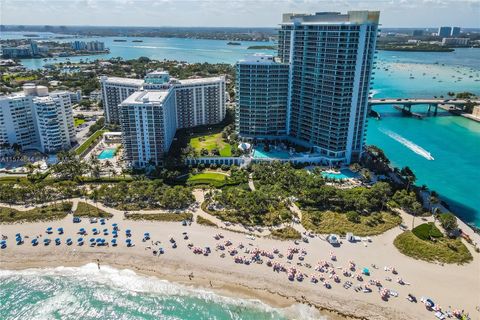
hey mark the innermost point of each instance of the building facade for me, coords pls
(150, 111)
(262, 98)
(37, 119)
(148, 122)
(330, 58)
(455, 31)
(444, 32)
(200, 101)
(114, 91)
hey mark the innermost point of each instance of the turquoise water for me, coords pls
(107, 154)
(343, 174)
(86, 293)
(452, 142)
(189, 50)
(259, 153)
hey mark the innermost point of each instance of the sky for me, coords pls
(230, 13)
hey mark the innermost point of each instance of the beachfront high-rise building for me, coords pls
(148, 122)
(200, 101)
(37, 119)
(158, 106)
(114, 91)
(262, 97)
(330, 58)
(444, 32)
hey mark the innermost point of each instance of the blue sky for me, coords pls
(232, 13)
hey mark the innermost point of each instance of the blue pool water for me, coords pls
(259, 153)
(107, 154)
(343, 174)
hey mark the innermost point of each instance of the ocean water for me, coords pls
(86, 293)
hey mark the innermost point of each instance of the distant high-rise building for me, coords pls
(455, 31)
(417, 33)
(262, 98)
(444, 32)
(34, 48)
(148, 122)
(37, 119)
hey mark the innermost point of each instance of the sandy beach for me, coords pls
(454, 286)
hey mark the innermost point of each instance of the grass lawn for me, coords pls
(287, 233)
(210, 142)
(160, 216)
(78, 121)
(334, 222)
(47, 213)
(211, 178)
(8, 77)
(206, 222)
(89, 211)
(81, 149)
(442, 250)
(427, 231)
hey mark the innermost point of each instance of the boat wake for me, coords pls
(409, 144)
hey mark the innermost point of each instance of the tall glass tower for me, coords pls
(331, 59)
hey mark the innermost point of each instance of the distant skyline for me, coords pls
(230, 13)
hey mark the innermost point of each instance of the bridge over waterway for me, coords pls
(407, 103)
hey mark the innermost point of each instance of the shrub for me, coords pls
(448, 221)
(353, 216)
(427, 231)
(287, 233)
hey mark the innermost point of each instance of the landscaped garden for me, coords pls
(78, 121)
(211, 144)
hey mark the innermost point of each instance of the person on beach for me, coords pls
(98, 264)
(190, 276)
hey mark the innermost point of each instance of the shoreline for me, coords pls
(256, 280)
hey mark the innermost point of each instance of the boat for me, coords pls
(137, 40)
(231, 43)
(119, 40)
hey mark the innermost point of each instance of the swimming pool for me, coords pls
(344, 174)
(259, 153)
(107, 154)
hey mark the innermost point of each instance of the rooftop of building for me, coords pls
(200, 80)
(259, 58)
(147, 97)
(351, 17)
(118, 80)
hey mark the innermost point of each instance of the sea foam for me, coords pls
(127, 280)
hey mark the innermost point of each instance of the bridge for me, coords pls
(406, 103)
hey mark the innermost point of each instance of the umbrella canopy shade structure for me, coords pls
(3, 242)
(69, 241)
(366, 271)
(80, 240)
(34, 241)
(46, 241)
(128, 231)
(49, 230)
(18, 235)
(92, 240)
(114, 241)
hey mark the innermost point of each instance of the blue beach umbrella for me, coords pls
(57, 241)
(18, 235)
(92, 240)
(69, 241)
(49, 230)
(60, 230)
(80, 240)
(34, 242)
(114, 242)
(46, 242)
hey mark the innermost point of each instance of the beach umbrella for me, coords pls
(46, 241)
(114, 242)
(80, 240)
(366, 271)
(92, 240)
(69, 241)
(57, 241)
(99, 240)
(18, 235)
(49, 230)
